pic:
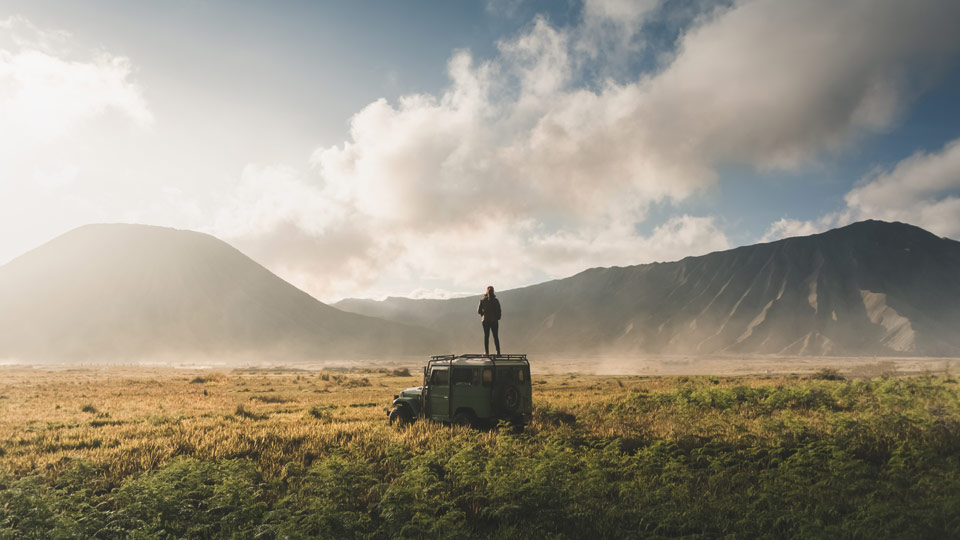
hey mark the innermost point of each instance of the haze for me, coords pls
(427, 150)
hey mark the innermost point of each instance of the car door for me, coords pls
(440, 393)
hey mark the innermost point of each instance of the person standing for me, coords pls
(489, 311)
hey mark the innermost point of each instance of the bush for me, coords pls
(828, 374)
(269, 399)
(213, 377)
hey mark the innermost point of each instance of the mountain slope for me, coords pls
(110, 292)
(871, 288)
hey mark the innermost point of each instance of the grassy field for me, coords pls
(164, 453)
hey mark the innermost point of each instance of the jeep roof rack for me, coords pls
(492, 357)
(478, 359)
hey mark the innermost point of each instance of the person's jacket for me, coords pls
(489, 309)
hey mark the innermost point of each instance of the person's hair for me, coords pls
(489, 293)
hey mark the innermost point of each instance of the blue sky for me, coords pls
(431, 148)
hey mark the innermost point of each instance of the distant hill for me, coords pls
(126, 292)
(871, 288)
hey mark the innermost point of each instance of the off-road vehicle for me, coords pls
(469, 389)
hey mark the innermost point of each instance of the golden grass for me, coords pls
(131, 419)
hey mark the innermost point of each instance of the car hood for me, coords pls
(413, 392)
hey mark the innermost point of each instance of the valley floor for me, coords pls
(305, 453)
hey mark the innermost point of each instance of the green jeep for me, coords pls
(469, 389)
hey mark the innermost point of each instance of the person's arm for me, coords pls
(480, 308)
(499, 310)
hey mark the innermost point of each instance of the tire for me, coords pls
(463, 418)
(510, 400)
(400, 416)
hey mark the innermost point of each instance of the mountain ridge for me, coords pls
(870, 288)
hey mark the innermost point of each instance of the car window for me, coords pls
(520, 376)
(440, 376)
(487, 376)
(462, 376)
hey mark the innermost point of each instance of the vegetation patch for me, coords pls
(355, 382)
(270, 399)
(658, 458)
(243, 412)
(828, 374)
(321, 412)
(210, 378)
(101, 423)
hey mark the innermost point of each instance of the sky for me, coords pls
(429, 149)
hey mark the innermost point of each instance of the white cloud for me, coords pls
(786, 228)
(63, 112)
(19, 33)
(923, 190)
(525, 163)
(44, 96)
(270, 197)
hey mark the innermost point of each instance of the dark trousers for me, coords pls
(487, 327)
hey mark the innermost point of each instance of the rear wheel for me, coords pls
(400, 416)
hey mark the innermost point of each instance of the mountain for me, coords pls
(121, 292)
(870, 288)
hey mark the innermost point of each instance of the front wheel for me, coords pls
(400, 416)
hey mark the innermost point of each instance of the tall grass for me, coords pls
(605, 458)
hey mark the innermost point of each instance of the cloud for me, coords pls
(43, 96)
(355, 251)
(923, 190)
(48, 93)
(538, 161)
(772, 83)
(19, 33)
(611, 28)
(786, 228)
(63, 111)
(437, 294)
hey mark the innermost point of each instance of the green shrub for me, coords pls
(827, 374)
